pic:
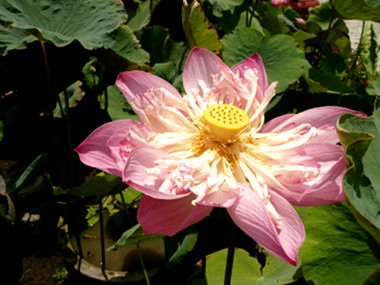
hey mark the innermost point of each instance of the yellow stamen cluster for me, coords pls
(225, 121)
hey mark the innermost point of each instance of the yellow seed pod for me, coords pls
(225, 120)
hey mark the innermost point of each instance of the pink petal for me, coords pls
(201, 64)
(94, 152)
(135, 82)
(327, 187)
(254, 62)
(124, 140)
(317, 117)
(135, 173)
(169, 216)
(251, 215)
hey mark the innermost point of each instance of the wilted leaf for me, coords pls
(74, 95)
(337, 250)
(283, 60)
(89, 21)
(198, 30)
(127, 46)
(360, 137)
(246, 269)
(358, 9)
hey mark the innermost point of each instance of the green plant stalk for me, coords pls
(352, 67)
(141, 258)
(69, 139)
(102, 247)
(55, 139)
(230, 256)
(248, 22)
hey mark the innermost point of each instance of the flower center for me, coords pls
(225, 121)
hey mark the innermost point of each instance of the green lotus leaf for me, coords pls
(247, 270)
(366, 10)
(90, 22)
(360, 137)
(337, 250)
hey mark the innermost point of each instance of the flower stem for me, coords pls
(102, 247)
(230, 256)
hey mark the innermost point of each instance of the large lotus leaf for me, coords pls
(12, 38)
(337, 250)
(198, 30)
(283, 60)
(360, 137)
(358, 9)
(89, 21)
(247, 270)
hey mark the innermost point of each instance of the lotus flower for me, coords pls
(212, 148)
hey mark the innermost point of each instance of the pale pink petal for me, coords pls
(201, 64)
(327, 186)
(254, 62)
(162, 111)
(136, 82)
(317, 117)
(251, 215)
(124, 140)
(169, 216)
(94, 152)
(136, 173)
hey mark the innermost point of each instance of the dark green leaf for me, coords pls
(180, 245)
(139, 18)
(93, 72)
(89, 21)
(32, 171)
(337, 250)
(127, 46)
(156, 41)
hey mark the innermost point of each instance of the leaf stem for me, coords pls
(353, 64)
(102, 247)
(230, 256)
(141, 258)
